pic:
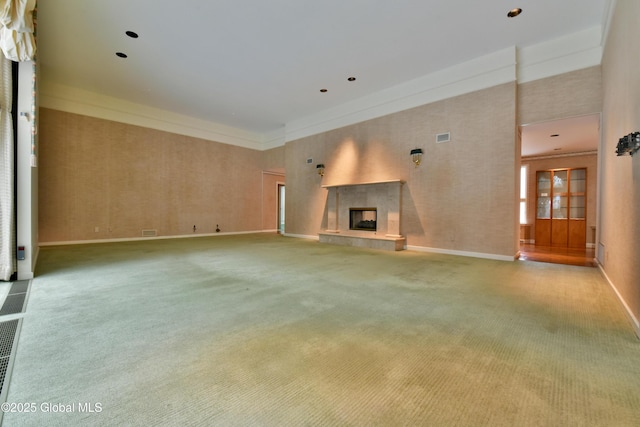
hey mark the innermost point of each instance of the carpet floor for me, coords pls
(272, 331)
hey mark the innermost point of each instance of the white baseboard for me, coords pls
(135, 239)
(463, 253)
(634, 320)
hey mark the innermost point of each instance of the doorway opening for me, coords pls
(567, 146)
(281, 197)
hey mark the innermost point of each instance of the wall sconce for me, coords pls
(416, 156)
(628, 144)
(320, 169)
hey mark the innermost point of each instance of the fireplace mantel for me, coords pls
(384, 196)
(391, 181)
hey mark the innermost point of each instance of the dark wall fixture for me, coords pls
(416, 156)
(628, 144)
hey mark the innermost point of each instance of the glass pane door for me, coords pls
(577, 186)
(560, 202)
(543, 210)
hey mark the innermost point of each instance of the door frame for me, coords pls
(280, 206)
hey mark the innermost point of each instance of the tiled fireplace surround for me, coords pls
(385, 196)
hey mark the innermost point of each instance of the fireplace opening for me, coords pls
(363, 219)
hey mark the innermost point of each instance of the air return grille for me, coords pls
(14, 303)
(9, 332)
(443, 137)
(7, 337)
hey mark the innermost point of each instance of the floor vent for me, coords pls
(149, 233)
(15, 301)
(9, 332)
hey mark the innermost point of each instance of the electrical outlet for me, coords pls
(96, 229)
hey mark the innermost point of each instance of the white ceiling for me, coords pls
(257, 65)
(575, 134)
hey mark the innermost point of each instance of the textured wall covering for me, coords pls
(119, 179)
(588, 161)
(566, 95)
(273, 160)
(462, 197)
(620, 207)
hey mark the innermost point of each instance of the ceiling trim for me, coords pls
(573, 52)
(557, 156)
(273, 139)
(78, 101)
(562, 55)
(480, 73)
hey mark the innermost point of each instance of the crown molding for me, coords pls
(559, 156)
(480, 73)
(562, 55)
(570, 53)
(273, 139)
(79, 101)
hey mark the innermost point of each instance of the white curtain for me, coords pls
(7, 224)
(17, 29)
(17, 42)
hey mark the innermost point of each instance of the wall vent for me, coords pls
(443, 137)
(149, 233)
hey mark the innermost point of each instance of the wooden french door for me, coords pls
(561, 208)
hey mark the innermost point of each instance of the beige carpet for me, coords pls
(272, 331)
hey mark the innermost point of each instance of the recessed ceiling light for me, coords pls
(132, 34)
(323, 90)
(514, 12)
(121, 55)
(352, 79)
(554, 135)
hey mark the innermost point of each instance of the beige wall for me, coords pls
(590, 162)
(566, 95)
(122, 179)
(462, 197)
(620, 207)
(273, 160)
